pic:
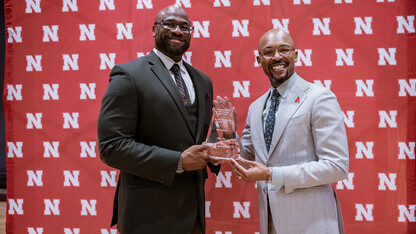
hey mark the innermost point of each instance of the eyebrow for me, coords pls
(272, 47)
(176, 21)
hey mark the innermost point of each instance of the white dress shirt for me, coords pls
(168, 62)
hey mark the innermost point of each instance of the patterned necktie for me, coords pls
(181, 85)
(271, 117)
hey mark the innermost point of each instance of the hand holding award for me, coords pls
(222, 132)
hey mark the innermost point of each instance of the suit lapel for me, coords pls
(257, 127)
(164, 77)
(296, 96)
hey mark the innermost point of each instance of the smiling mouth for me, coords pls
(176, 40)
(278, 67)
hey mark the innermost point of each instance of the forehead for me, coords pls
(274, 39)
(174, 14)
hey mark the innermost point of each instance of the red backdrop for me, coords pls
(59, 55)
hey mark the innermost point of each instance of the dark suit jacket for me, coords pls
(143, 127)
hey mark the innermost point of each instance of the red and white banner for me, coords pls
(59, 55)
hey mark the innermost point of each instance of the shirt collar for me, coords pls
(168, 62)
(287, 85)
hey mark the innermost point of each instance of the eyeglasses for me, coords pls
(282, 50)
(172, 26)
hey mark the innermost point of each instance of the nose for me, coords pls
(277, 55)
(176, 29)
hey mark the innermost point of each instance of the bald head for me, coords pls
(274, 34)
(171, 10)
(277, 56)
(172, 32)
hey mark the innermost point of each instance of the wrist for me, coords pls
(270, 175)
(179, 168)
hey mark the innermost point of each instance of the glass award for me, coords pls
(222, 132)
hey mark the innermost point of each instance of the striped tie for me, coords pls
(271, 116)
(181, 85)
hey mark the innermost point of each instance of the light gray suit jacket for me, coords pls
(310, 145)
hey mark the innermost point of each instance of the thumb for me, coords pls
(203, 147)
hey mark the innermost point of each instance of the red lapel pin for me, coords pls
(297, 100)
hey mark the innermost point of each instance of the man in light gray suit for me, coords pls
(294, 145)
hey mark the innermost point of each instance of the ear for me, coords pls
(296, 55)
(258, 60)
(154, 30)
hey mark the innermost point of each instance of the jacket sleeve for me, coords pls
(331, 147)
(246, 145)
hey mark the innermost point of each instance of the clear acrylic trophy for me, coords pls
(221, 134)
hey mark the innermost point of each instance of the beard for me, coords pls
(279, 80)
(164, 46)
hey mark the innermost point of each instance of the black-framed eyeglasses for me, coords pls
(172, 26)
(282, 50)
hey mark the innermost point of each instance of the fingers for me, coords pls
(238, 171)
(223, 103)
(195, 157)
(217, 160)
(214, 112)
(230, 141)
(202, 147)
(207, 143)
(220, 102)
(235, 156)
(213, 160)
(246, 162)
(228, 103)
(236, 166)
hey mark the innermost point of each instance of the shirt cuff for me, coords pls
(277, 176)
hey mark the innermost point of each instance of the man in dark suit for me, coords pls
(151, 124)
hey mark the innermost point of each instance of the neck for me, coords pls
(175, 58)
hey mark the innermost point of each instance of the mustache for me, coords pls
(280, 61)
(176, 36)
